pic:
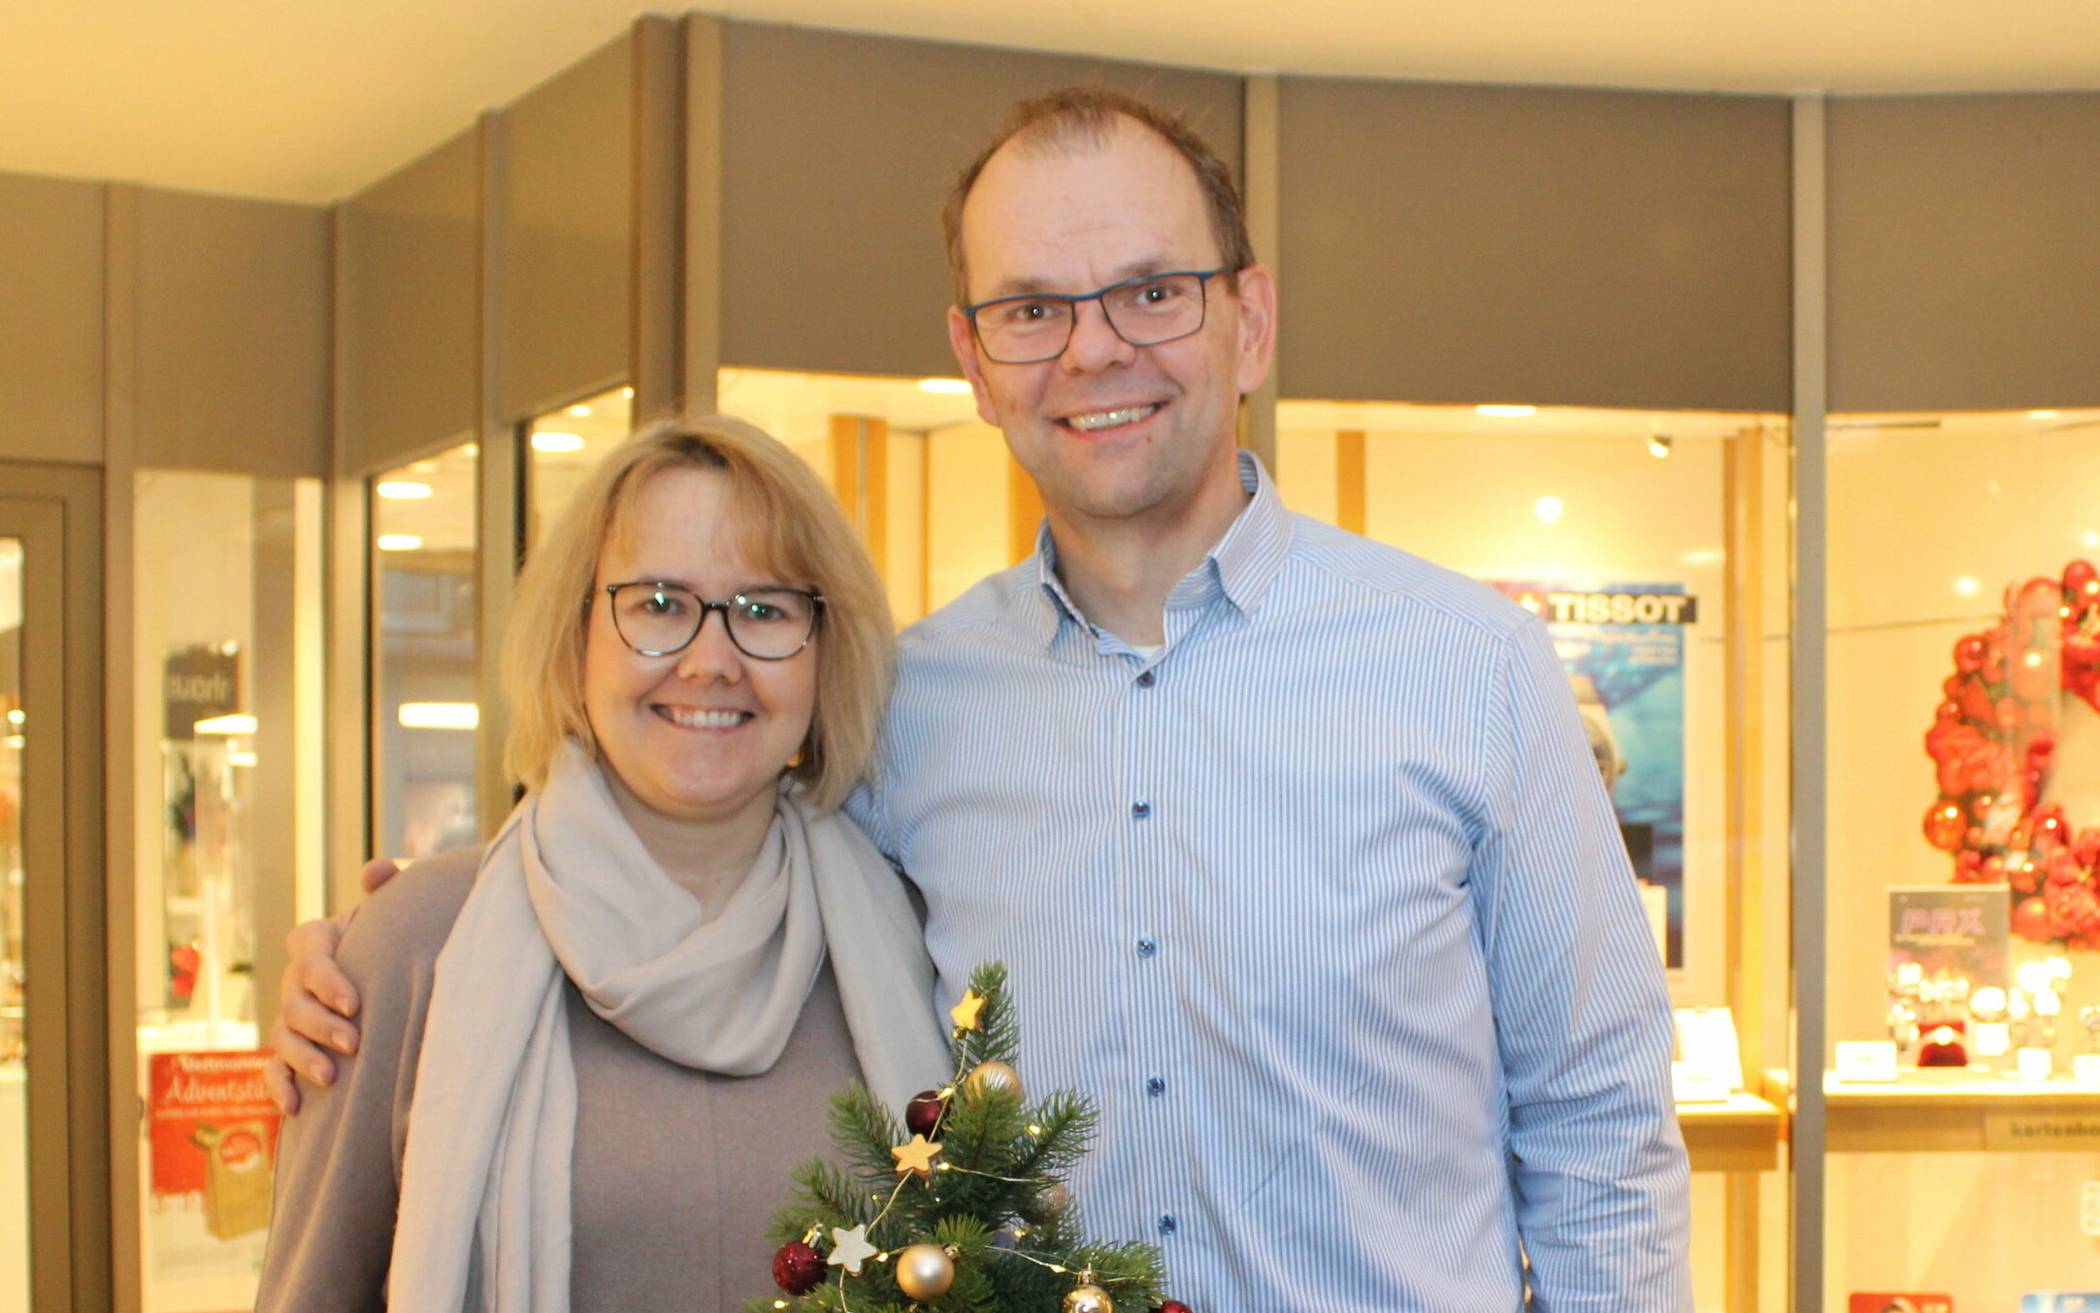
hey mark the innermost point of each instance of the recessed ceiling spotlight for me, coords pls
(580, 411)
(402, 490)
(2044, 414)
(627, 394)
(1498, 410)
(1659, 445)
(399, 542)
(1548, 509)
(1968, 585)
(555, 444)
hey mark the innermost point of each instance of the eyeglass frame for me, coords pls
(1202, 277)
(612, 591)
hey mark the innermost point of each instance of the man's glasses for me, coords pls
(1022, 330)
(766, 624)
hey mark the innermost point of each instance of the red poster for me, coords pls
(214, 1134)
(1901, 1304)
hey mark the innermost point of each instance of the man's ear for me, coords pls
(1257, 344)
(962, 340)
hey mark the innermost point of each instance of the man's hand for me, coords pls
(315, 1002)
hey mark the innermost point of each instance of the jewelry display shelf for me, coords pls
(1960, 1113)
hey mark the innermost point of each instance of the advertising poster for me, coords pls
(212, 1134)
(1869, 1303)
(1952, 932)
(1623, 648)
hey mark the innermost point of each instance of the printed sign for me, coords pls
(214, 1135)
(1623, 647)
(1952, 932)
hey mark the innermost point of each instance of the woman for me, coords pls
(588, 1060)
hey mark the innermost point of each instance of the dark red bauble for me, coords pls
(1172, 1306)
(797, 1268)
(2081, 581)
(924, 1111)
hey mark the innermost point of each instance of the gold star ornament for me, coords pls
(969, 1013)
(916, 1158)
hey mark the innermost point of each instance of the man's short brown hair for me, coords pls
(1083, 118)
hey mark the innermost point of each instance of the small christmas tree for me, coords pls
(964, 1208)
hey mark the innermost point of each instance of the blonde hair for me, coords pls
(791, 526)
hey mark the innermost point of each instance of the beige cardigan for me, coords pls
(677, 1171)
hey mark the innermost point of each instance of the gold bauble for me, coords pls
(990, 1076)
(1088, 1299)
(1054, 1199)
(925, 1271)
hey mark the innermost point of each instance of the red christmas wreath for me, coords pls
(1991, 742)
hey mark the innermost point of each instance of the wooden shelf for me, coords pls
(1739, 1135)
(1960, 1114)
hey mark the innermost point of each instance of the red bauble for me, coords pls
(1968, 654)
(2081, 581)
(1945, 825)
(924, 1111)
(797, 1268)
(2030, 920)
(1172, 1306)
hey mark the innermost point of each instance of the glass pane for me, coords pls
(931, 488)
(1617, 529)
(14, 1054)
(228, 832)
(562, 445)
(423, 660)
(1964, 819)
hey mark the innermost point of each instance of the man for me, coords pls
(1293, 842)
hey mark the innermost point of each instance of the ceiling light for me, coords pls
(627, 394)
(470, 449)
(2091, 537)
(554, 444)
(2043, 414)
(1968, 586)
(1498, 411)
(438, 715)
(580, 411)
(1548, 509)
(403, 490)
(237, 722)
(945, 387)
(15, 716)
(1659, 445)
(399, 542)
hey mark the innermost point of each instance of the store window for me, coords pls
(562, 446)
(1654, 547)
(1963, 860)
(227, 834)
(425, 707)
(930, 487)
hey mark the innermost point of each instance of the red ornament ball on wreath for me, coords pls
(1993, 741)
(923, 1114)
(797, 1268)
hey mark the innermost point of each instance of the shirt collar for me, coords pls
(1241, 565)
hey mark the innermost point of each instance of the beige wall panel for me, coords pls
(410, 282)
(566, 233)
(234, 332)
(1466, 244)
(1964, 252)
(838, 151)
(50, 319)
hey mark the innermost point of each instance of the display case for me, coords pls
(1962, 998)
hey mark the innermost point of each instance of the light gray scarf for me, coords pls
(567, 891)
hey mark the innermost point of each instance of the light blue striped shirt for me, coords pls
(1325, 907)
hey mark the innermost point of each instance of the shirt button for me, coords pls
(1146, 680)
(1147, 946)
(1141, 810)
(1156, 1086)
(1167, 1224)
